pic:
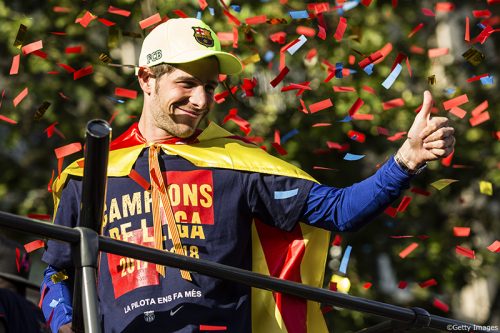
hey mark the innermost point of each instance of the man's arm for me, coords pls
(56, 300)
(350, 208)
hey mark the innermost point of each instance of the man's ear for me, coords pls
(144, 76)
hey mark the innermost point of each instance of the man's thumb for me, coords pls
(425, 111)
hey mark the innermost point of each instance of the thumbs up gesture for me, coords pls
(428, 138)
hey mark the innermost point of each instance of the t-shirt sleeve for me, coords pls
(58, 254)
(276, 200)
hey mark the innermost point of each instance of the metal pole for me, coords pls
(217, 270)
(93, 195)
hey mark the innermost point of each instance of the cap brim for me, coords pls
(19, 280)
(228, 63)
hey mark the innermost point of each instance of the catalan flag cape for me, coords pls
(298, 255)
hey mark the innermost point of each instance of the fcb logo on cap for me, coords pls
(203, 36)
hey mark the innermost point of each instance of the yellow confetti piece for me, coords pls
(473, 56)
(486, 187)
(105, 58)
(59, 277)
(442, 183)
(251, 59)
(431, 80)
(41, 110)
(21, 33)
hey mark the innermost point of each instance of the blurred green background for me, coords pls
(470, 287)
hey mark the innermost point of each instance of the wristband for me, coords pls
(404, 165)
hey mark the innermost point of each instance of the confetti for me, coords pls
(41, 110)
(473, 56)
(485, 187)
(494, 247)
(345, 259)
(462, 99)
(461, 231)
(393, 103)
(415, 30)
(147, 22)
(256, 19)
(479, 109)
(118, 11)
(85, 20)
(442, 183)
(19, 98)
(14, 68)
(27, 49)
(402, 284)
(479, 119)
(21, 33)
(389, 81)
(353, 157)
(34, 245)
(7, 120)
(437, 52)
(134, 175)
(367, 285)
(128, 93)
(318, 106)
(444, 7)
(292, 49)
(463, 251)
(59, 277)
(481, 13)
(467, 29)
(428, 12)
(428, 283)
(68, 150)
(73, 49)
(404, 204)
(299, 14)
(83, 72)
(440, 305)
(409, 249)
(280, 77)
(341, 27)
(356, 136)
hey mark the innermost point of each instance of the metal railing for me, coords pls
(86, 242)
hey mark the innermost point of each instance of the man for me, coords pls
(208, 194)
(17, 314)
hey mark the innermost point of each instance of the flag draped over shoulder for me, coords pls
(298, 255)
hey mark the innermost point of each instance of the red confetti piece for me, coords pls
(444, 7)
(68, 68)
(477, 77)
(323, 168)
(27, 49)
(440, 305)
(447, 160)
(494, 247)
(326, 103)
(278, 37)
(338, 146)
(369, 89)
(370, 59)
(484, 34)
(356, 106)
(356, 136)
(73, 49)
(463, 251)
(231, 18)
(279, 148)
(20, 97)
(343, 89)
(212, 328)
(481, 13)
(139, 179)
(467, 29)
(451, 103)
(437, 52)
(416, 49)
(396, 136)
(479, 119)
(14, 68)
(44, 217)
(118, 11)
(128, 93)
(322, 125)
(7, 120)
(420, 191)
(428, 283)
(147, 22)
(256, 19)
(83, 72)
(479, 109)
(402, 284)
(86, 19)
(428, 12)
(359, 116)
(67, 150)
(34, 245)
(366, 2)
(180, 13)
(337, 240)
(415, 30)
(404, 204)
(393, 103)
(40, 53)
(203, 4)
(49, 185)
(391, 211)
(461, 231)
(460, 113)
(367, 285)
(280, 77)
(59, 9)
(106, 22)
(409, 249)
(18, 260)
(306, 31)
(341, 27)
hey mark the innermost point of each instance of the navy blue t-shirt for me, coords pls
(20, 315)
(214, 209)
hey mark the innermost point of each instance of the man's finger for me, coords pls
(441, 133)
(433, 125)
(425, 111)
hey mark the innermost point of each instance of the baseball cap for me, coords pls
(182, 40)
(12, 269)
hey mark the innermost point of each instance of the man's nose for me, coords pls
(199, 98)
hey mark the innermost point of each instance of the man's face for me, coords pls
(182, 98)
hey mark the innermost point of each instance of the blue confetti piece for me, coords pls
(269, 56)
(289, 135)
(480, 25)
(236, 8)
(369, 69)
(450, 91)
(211, 10)
(486, 80)
(353, 157)
(299, 14)
(338, 70)
(345, 120)
(116, 100)
(298, 45)
(389, 81)
(352, 71)
(280, 195)
(345, 259)
(198, 15)
(350, 5)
